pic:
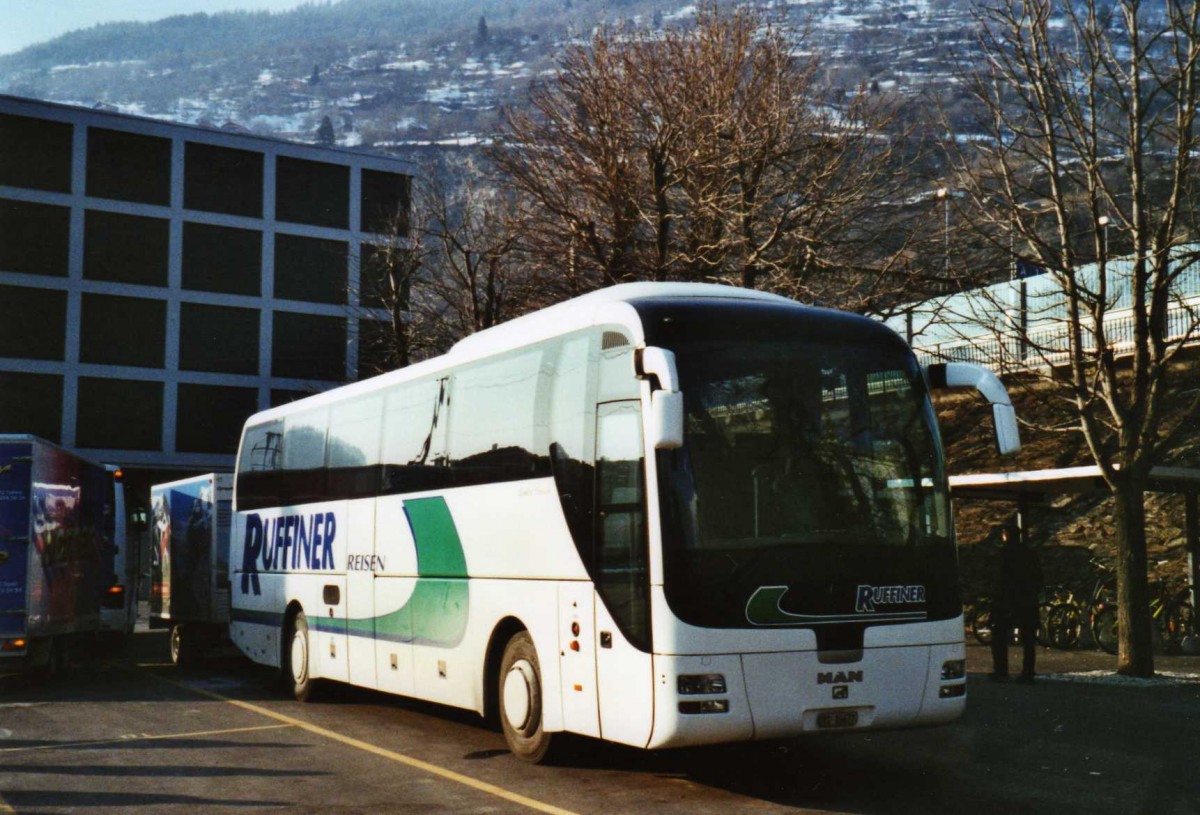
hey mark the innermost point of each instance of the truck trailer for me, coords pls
(189, 569)
(63, 534)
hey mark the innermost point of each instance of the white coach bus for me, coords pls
(658, 514)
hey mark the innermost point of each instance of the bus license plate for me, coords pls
(837, 718)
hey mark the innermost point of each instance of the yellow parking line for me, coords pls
(399, 758)
(141, 737)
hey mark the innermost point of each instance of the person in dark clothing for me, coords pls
(1016, 604)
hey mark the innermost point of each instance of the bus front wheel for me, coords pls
(520, 697)
(295, 670)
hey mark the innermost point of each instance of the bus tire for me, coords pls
(185, 650)
(519, 692)
(296, 674)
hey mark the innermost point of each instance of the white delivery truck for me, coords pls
(189, 569)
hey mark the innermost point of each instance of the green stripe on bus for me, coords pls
(439, 549)
(436, 613)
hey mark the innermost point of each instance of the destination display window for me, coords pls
(125, 248)
(35, 153)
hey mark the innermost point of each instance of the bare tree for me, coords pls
(1090, 112)
(708, 153)
(446, 270)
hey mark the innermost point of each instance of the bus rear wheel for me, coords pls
(295, 668)
(520, 700)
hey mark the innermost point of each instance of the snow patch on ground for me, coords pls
(1109, 678)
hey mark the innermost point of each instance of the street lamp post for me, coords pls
(1102, 222)
(943, 195)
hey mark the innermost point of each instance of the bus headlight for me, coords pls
(692, 684)
(954, 669)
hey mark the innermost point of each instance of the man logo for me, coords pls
(839, 677)
(841, 691)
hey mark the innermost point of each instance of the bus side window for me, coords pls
(621, 561)
(572, 422)
(414, 431)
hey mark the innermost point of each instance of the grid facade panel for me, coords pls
(126, 248)
(123, 331)
(188, 273)
(312, 192)
(308, 346)
(210, 417)
(119, 414)
(128, 166)
(384, 203)
(222, 179)
(222, 259)
(218, 339)
(310, 269)
(34, 238)
(35, 153)
(31, 403)
(33, 323)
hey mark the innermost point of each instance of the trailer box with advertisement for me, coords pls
(59, 532)
(189, 569)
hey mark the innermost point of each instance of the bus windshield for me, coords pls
(811, 468)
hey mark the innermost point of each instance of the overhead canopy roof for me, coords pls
(1037, 484)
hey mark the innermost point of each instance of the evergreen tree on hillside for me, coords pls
(481, 33)
(325, 133)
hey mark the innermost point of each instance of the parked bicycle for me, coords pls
(1171, 610)
(1066, 616)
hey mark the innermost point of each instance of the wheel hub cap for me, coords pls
(518, 694)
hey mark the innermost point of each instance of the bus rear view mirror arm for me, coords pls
(665, 422)
(970, 375)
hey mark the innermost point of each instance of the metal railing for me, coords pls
(1022, 324)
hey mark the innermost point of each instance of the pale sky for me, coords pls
(27, 22)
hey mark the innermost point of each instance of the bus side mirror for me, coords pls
(665, 423)
(970, 375)
(666, 420)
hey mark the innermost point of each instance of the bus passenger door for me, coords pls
(624, 668)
